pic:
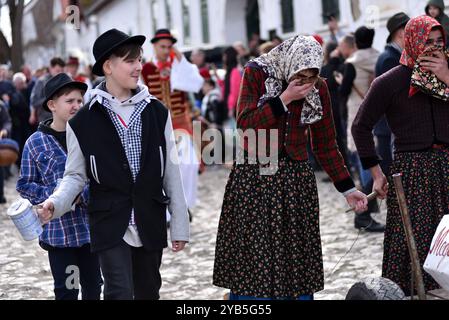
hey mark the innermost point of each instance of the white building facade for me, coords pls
(214, 23)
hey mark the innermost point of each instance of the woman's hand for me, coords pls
(178, 246)
(357, 200)
(295, 91)
(380, 184)
(436, 64)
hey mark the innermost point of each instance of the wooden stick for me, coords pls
(415, 264)
(371, 197)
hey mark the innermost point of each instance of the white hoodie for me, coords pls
(75, 172)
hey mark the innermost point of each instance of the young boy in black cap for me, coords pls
(67, 238)
(123, 142)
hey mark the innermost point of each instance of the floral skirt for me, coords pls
(268, 242)
(426, 185)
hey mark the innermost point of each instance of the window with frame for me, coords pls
(168, 4)
(205, 20)
(288, 18)
(154, 12)
(330, 7)
(186, 21)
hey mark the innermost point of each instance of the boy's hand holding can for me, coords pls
(46, 211)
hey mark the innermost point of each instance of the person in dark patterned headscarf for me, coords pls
(419, 120)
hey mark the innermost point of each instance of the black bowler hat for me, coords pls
(105, 45)
(396, 22)
(163, 34)
(57, 83)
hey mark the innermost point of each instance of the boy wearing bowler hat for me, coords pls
(67, 238)
(122, 142)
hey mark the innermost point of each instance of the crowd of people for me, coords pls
(337, 104)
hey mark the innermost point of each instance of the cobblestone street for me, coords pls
(25, 272)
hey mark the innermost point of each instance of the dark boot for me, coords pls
(373, 206)
(365, 222)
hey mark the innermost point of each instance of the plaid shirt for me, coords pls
(43, 164)
(292, 135)
(131, 137)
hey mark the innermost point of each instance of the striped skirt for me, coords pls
(426, 185)
(268, 242)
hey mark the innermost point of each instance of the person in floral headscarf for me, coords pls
(268, 243)
(413, 96)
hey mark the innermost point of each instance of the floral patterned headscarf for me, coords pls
(417, 33)
(286, 60)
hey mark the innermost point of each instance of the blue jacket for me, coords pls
(43, 164)
(387, 60)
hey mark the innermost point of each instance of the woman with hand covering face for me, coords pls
(268, 244)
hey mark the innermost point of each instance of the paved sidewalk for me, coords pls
(25, 272)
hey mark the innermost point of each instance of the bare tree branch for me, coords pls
(16, 16)
(5, 50)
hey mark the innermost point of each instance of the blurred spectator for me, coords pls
(40, 73)
(243, 53)
(212, 108)
(357, 79)
(387, 61)
(336, 34)
(346, 48)
(30, 81)
(215, 112)
(319, 39)
(6, 86)
(333, 63)
(72, 69)
(72, 66)
(38, 114)
(93, 78)
(5, 131)
(435, 9)
(198, 58)
(254, 44)
(19, 111)
(266, 47)
(276, 40)
(231, 85)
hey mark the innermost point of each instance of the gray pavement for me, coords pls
(25, 272)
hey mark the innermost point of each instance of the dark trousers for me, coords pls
(385, 150)
(131, 273)
(67, 264)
